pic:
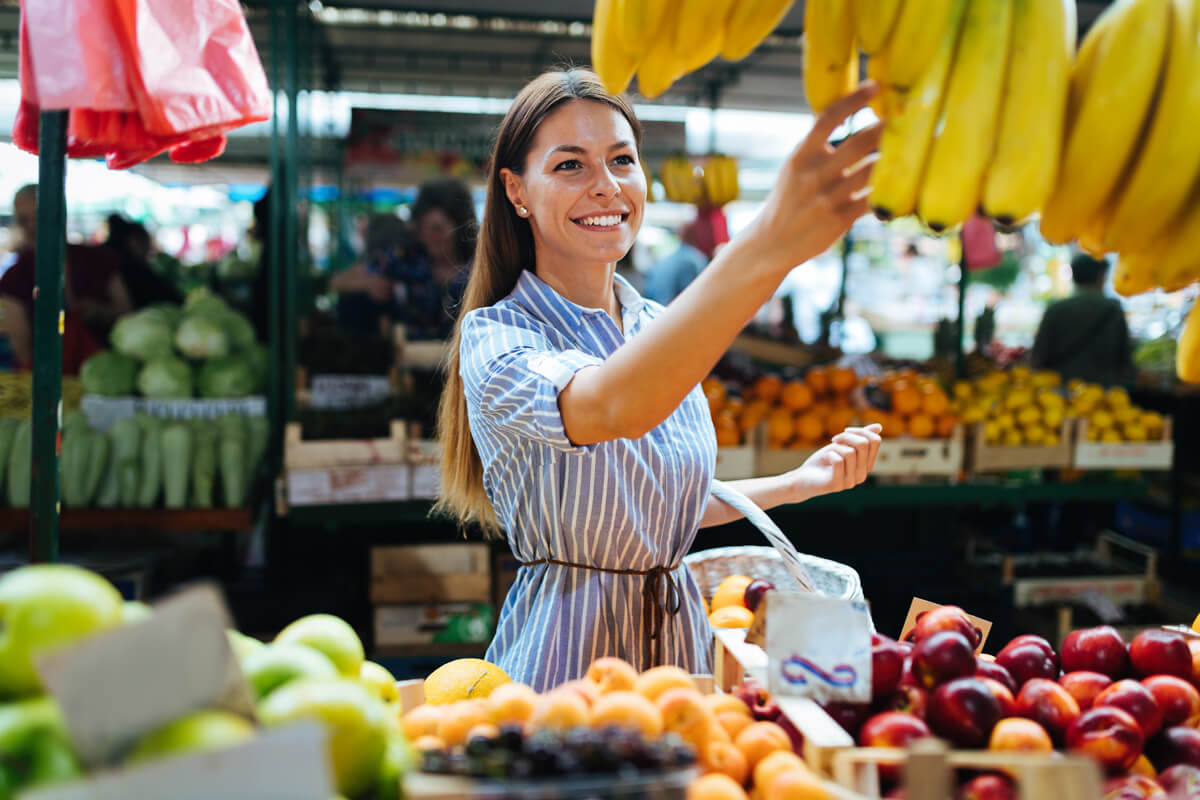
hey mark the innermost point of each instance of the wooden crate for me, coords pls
(1127, 589)
(734, 463)
(1155, 455)
(983, 457)
(418, 354)
(435, 573)
(299, 454)
(898, 457)
(929, 771)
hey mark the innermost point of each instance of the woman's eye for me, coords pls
(570, 163)
(625, 160)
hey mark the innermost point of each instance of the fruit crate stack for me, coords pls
(336, 471)
(1018, 421)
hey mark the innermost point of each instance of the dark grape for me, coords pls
(460, 764)
(479, 746)
(567, 763)
(511, 738)
(436, 762)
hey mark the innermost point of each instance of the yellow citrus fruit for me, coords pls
(731, 617)
(463, 679)
(731, 592)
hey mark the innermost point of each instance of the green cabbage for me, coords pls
(241, 333)
(259, 359)
(202, 336)
(228, 376)
(108, 373)
(144, 335)
(165, 378)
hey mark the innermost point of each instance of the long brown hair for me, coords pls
(504, 249)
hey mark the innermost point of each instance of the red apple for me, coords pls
(1136, 699)
(988, 787)
(892, 729)
(1178, 745)
(1008, 703)
(1084, 686)
(757, 699)
(906, 648)
(963, 711)
(941, 657)
(1181, 781)
(946, 618)
(1049, 705)
(755, 592)
(1156, 652)
(1027, 657)
(1133, 787)
(988, 668)
(1177, 698)
(1108, 734)
(850, 716)
(887, 666)
(1099, 649)
(793, 733)
(911, 699)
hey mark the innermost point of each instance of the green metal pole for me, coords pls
(291, 221)
(275, 258)
(960, 353)
(47, 334)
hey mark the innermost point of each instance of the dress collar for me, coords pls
(534, 292)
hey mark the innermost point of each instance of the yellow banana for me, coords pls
(721, 180)
(659, 67)
(699, 31)
(1134, 273)
(908, 134)
(748, 23)
(1179, 264)
(875, 20)
(1121, 80)
(917, 32)
(830, 58)
(885, 102)
(639, 22)
(967, 139)
(1187, 354)
(1029, 141)
(610, 60)
(1169, 162)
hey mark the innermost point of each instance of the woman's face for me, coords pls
(435, 230)
(583, 187)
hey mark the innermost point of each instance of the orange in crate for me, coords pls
(945, 426)
(817, 379)
(810, 428)
(767, 388)
(934, 401)
(754, 413)
(796, 396)
(821, 408)
(728, 433)
(714, 390)
(920, 426)
(780, 426)
(735, 406)
(905, 400)
(839, 419)
(891, 424)
(842, 380)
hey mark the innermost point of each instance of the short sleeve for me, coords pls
(512, 375)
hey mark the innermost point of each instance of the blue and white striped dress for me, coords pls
(622, 504)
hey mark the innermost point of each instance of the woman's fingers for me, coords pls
(849, 457)
(853, 150)
(837, 113)
(862, 453)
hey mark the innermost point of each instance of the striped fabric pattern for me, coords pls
(621, 504)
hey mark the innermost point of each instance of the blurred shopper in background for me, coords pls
(669, 277)
(135, 249)
(1085, 336)
(94, 294)
(365, 296)
(419, 282)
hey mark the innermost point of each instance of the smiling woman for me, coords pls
(572, 418)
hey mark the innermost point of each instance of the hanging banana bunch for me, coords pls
(720, 180)
(680, 181)
(711, 183)
(663, 40)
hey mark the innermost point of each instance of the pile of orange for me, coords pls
(920, 407)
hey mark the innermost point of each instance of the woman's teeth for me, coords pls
(602, 222)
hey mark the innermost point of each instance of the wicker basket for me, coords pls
(710, 567)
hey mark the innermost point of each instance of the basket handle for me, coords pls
(759, 519)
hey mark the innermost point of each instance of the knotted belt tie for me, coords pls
(660, 598)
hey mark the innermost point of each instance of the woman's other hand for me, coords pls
(842, 464)
(821, 189)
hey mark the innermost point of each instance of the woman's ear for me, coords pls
(513, 188)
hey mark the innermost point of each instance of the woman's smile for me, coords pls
(601, 222)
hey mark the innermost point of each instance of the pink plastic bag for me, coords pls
(78, 64)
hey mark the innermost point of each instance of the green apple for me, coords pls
(398, 759)
(33, 749)
(22, 721)
(51, 761)
(243, 646)
(276, 664)
(197, 732)
(354, 719)
(379, 680)
(332, 636)
(133, 611)
(45, 607)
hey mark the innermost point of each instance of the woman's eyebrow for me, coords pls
(574, 148)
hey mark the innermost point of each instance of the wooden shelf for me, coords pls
(162, 519)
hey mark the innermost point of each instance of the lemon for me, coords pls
(1051, 399)
(1117, 397)
(992, 432)
(1102, 419)
(1035, 434)
(1053, 418)
(463, 679)
(1052, 438)
(1135, 432)
(1029, 415)
(1110, 436)
(1013, 438)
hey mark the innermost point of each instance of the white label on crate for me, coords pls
(426, 481)
(115, 687)
(337, 392)
(375, 484)
(102, 412)
(1045, 591)
(287, 763)
(818, 647)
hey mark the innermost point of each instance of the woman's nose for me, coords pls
(606, 184)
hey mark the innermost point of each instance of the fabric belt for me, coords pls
(661, 598)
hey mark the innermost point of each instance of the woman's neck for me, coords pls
(590, 286)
